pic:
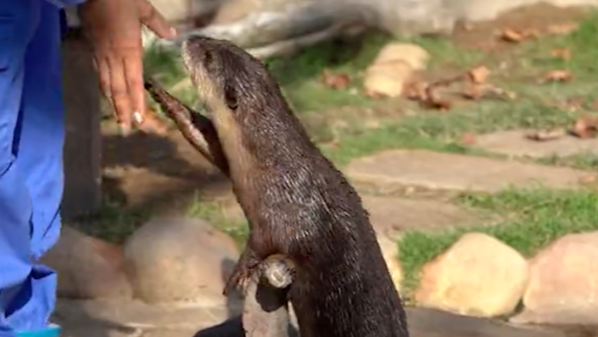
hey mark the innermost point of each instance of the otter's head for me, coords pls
(228, 79)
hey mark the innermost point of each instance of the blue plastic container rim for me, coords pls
(52, 330)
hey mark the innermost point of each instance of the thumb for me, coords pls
(151, 18)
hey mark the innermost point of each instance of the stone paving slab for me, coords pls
(447, 171)
(392, 215)
(514, 143)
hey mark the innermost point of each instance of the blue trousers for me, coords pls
(31, 172)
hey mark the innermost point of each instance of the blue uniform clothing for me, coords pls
(31, 172)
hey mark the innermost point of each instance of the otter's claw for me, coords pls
(242, 274)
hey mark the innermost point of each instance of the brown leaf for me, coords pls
(562, 53)
(545, 135)
(557, 76)
(335, 81)
(468, 138)
(434, 101)
(585, 127)
(511, 35)
(478, 74)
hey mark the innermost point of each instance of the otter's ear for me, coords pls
(230, 96)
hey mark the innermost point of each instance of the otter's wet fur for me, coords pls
(297, 203)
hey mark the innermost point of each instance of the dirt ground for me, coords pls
(141, 169)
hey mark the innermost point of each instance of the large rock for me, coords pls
(563, 285)
(87, 267)
(415, 56)
(390, 252)
(392, 68)
(447, 171)
(478, 276)
(179, 260)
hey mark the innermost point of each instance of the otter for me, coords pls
(299, 205)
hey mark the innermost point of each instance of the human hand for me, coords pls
(114, 31)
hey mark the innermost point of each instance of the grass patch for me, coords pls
(583, 161)
(209, 211)
(442, 132)
(300, 75)
(531, 219)
(111, 222)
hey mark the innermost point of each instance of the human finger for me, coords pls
(133, 69)
(119, 93)
(103, 71)
(151, 18)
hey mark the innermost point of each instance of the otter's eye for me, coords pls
(231, 97)
(208, 57)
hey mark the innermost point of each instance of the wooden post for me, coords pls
(82, 149)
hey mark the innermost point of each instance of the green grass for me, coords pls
(442, 132)
(300, 76)
(112, 222)
(238, 230)
(584, 161)
(531, 220)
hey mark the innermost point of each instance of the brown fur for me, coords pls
(298, 204)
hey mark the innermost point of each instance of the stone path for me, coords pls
(392, 215)
(446, 171)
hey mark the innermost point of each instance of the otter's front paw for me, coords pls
(242, 274)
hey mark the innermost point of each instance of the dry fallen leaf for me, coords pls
(557, 76)
(478, 74)
(562, 53)
(415, 90)
(545, 135)
(434, 101)
(585, 127)
(511, 35)
(335, 81)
